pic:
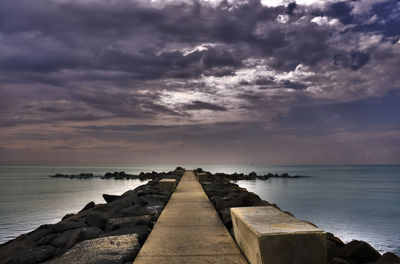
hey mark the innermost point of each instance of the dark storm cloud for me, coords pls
(126, 128)
(78, 72)
(342, 11)
(88, 36)
(199, 105)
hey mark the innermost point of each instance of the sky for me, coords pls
(269, 82)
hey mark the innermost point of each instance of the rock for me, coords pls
(47, 239)
(154, 198)
(389, 258)
(69, 237)
(110, 198)
(361, 252)
(122, 222)
(105, 250)
(96, 219)
(253, 174)
(334, 239)
(68, 216)
(223, 202)
(142, 231)
(89, 232)
(32, 255)
(41, 232)
(88, 206)
(334, 251)
(225, 214)
(135, 210)
(155, 210)
(67, 225)
(10, 248)
(338, 261)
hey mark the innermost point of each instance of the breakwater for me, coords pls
(224, 195)
(221, 192)
(112, 232)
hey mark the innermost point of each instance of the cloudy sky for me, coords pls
(206, 81)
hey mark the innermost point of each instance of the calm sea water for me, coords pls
(353, 202)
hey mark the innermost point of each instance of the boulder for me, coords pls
(96, 219)
(331, 237)
(89, 232)
(69, 238)
(334, 251)
(135, 210)
(361, 252)
(68, 225)
(68, 216)
(32, 255)
(122, 222)
(142, 231)
(389, 258)
(88, 206)
(10, 248)
(105, 250)
(110, 198)
(47, 239)
(338, 261)
(155, 210)
(253, 174)
(40, 232)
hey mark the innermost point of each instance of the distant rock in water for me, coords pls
(251, 176)
(115, 175)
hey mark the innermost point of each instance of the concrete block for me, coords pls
(167, 185)
(269, 236)
(202, 176)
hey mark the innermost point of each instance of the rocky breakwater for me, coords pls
(100, 233)
(251, 176)
(121, 175)
(224, 194)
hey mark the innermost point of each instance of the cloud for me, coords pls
(153, 64)
(199, 105)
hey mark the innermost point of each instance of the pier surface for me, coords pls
(189, 231)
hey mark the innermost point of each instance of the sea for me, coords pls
(352, 202)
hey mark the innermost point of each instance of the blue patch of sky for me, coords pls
(387, 21)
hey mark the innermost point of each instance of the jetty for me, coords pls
(189, 230)
(185, 216)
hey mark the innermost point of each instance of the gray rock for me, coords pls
(361, 252)
(110, 198)
(135, 210)
(31, 256)
(47, 239)
(90, 232)
(338, 261)
(67, 225)
(155, 210)
(88, 206)
(121, 222)
(141, 231)
(389, 258)
(96, 219)
(40, 232)
(69, 238)
(106, 250)
(66, 239)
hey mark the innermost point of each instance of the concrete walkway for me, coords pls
(189, 231)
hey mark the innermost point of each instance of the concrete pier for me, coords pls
(189, 231)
